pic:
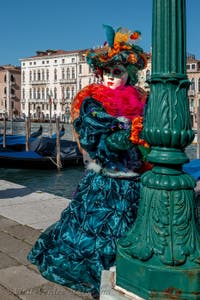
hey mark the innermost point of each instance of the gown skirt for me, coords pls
(74, 250)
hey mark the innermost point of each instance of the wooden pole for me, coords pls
(59, 165)
(27, 133)
(50, 117)
(29, 108)
(11, 121)
(4, 130)
(198, 132)
(29, 119)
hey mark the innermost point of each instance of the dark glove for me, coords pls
(119, 140)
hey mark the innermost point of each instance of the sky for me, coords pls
(31, 25)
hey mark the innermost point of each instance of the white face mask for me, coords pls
(115, 76)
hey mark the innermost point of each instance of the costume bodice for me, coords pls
(94, 125)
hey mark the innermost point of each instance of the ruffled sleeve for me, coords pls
(93, 126)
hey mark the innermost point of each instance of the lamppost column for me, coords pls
(159, 257)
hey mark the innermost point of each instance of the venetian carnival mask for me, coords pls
(115, 76)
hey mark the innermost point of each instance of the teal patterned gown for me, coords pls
(73, 251)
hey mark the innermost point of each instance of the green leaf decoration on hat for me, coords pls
(110, 35)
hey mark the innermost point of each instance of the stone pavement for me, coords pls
(24, 213)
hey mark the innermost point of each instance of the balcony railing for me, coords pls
(38, 82)
(71, 80)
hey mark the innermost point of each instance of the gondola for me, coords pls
(17, 142)
(45, 157)
(193, 168)
(42, 154)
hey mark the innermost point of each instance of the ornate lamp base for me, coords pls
(151, 281)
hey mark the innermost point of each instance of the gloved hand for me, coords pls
(119, 140)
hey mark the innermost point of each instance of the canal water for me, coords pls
(62, 183)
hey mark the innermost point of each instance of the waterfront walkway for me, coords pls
(24, 213)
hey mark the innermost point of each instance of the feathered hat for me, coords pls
(120, 47)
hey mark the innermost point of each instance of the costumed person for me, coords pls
(107, 119)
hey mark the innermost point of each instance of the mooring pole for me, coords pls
(4, 130)
(27, 125)
(160, 256)
(198, 132)
(58, 158)
(50, 115)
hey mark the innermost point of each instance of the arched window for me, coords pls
(63, 73)
(199, 85)
(67, 93)
(23, 76)
(80, 84)
(191, 103)
(80, 69)
(73, 72)
(192, 86)
(38, 93)
(68, 73)
(42, 74)
(47, 74)
(55, 74)
(23, 93)
(34, 75)
(39, 75)
(72, 93)
(148, 75)
(30, 93)
(47, 93)
(43, 96)
(62, 93)
(30, 75)
(55, 93)
(34, 93)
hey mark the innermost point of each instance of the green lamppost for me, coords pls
(160, 256)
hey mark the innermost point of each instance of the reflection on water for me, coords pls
(191, 151)
(62, 183)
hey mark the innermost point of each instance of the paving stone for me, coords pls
(7, 261)
(14, 247)
(20, 278)
(33, 267)
(36, 214)
(23, 232)
(5, 222)
(6, 294)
